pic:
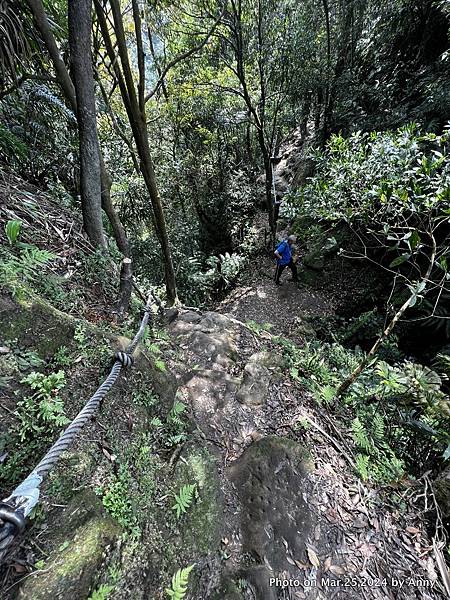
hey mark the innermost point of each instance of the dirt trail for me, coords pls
(257, 298)
(297, 521)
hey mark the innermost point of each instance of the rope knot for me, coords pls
(125, 359)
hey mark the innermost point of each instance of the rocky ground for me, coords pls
(279, 511)
(293, 508)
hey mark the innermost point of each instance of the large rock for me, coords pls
(208, 335)
(83, 534)
(271, 479)
(256, 379)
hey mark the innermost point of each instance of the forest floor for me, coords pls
(257, 298)
(319, 525)
(278, 494)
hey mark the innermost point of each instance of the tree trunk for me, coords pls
(64, 80)
(62, 74)
(138, 124)
(118, 230)
(126, 285)
(80, 22)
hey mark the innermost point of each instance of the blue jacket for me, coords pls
(285, 250)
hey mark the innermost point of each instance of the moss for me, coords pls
(201, 527)
(228, 591)
(73, 564)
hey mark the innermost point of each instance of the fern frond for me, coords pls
(179, 583)
(378, 428)
(184, 499)
(176, 411)
(362, 466)
(360, 435)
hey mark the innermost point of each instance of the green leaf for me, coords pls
(179, 583)
(414, 240)
(12, 230)
(400, 260)
(184, 499)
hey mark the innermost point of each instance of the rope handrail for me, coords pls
(18, 505)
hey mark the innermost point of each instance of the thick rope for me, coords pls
(15, 508)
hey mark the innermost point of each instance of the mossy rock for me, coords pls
(35, 324)
(271, 478)
(83, 534)
(228, 590)
(201, 526)
(39, 326)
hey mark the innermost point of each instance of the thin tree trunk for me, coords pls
(64, 80)
(126, 285)
(79, 18)
(62, 74)
(118, 230)
(328, 76)
(133, 105)
(383, 337)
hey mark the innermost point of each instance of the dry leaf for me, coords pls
(412, 530)
(327, 563)
(313, 558)
(336, 570)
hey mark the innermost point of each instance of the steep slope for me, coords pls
(220, 449)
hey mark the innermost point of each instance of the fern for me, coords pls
(179, 583)
(378, 429)
(184, 499)
(102, 593)
(156, 422)
(362, 466)
(177, 409)
(360, 436)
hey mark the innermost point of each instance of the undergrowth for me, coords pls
(400, 415)
(39, 416)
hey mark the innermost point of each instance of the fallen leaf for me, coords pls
(412, 530)
(313, 558)
(336, 570)
(19, 568)
(327, 563)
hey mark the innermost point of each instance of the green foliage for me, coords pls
(102, 592)
(62, 357)
(15, 271)
(116, 498)
(258, 327)
(89, 347)
(184, 499)
(129, 492)
(12, 230)
(180, 580)
(44, 408)
(407, 396)
(174, 416)
(39, 417)
(22, 359)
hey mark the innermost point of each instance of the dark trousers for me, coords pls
(280, 268)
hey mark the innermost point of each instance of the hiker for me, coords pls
(285, 259)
